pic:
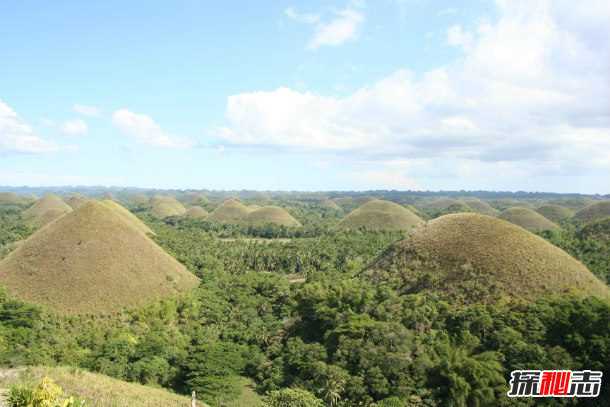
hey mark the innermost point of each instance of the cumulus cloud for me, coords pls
(76, 127)
(530, 89)
(146, 131)
(342, 27)
(91, 111)
(17, 136)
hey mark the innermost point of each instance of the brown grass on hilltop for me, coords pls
(272, 215)
(528, 219)
(92, 261)
(76, 201)
(196, 212)
(476, 258)
(45, 210)
(593, 212)
(230, 211)
(555, 213)
(480, 206)
(380, 215)
(166, 206)
(129, 217)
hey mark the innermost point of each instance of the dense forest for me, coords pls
(291, 310)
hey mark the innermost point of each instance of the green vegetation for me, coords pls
(271, 315)
(380, 215)
(92, 260)
(555, 213)
(528, 219)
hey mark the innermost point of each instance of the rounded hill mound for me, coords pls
(47, 209)
(196, 212)
(380, 215)
(330, 204)
(11, 198)
(230, 211)
(555, 213)
(92, 261)
(480, 206)
(528, 219)
(166, 206)
(593, 212)
(598, 230)
(272, 215)
(476, 258)
(76, 201)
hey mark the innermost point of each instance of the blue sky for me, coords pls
(316, 95)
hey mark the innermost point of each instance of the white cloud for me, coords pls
(306, 18)
(529, 90)
(76, 127)
(91, 111)
(144, 129)
(17, 136)
(456, 36)
(342, 27)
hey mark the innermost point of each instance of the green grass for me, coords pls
(472, 257)
(196, 212)
(96, 389)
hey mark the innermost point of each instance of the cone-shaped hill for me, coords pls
(45, 210)
(272, 215)
(230, 211)
(480, 206)
(76, 201)
(380, 215)
(593, 212)
(555, 213)
(128, 217)
(470, 257)
(528, 219)
(196, 212)
(330, 204)
(166, 206)
(92, 261)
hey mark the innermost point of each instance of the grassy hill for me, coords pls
(92, 260)
(527, 219)
(380, 215)
(128, 217)
(555, 213)
(472, 258)
(75, 201)
(166, 206)
(230, 211)
(598, 230)
(593, 212)
(271, 215)
(96, 389)
(480, 206)
(196, 212)
(45, 210)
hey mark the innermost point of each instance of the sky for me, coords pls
(307, 95)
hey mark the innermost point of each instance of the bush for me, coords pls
(45, 394)
(292, 398)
